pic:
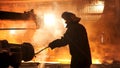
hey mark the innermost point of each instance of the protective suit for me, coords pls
(76, 37)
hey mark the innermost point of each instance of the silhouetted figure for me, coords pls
(76, 37)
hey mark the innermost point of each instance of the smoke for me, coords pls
(103, 38)
(48, 30)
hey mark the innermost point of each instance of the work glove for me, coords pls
(52, 45)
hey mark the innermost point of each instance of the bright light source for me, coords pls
(12, 31)
(96, 61)
(95, 7)
(49, 19)
(99, 6)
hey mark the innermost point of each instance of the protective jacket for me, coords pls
(76, 37)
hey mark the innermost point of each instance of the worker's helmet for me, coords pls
(68, 15)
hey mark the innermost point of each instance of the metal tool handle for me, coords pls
(41, 50)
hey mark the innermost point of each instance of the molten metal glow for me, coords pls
(64, 61)
(96, 61)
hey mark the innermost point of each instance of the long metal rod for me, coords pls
(41, 50)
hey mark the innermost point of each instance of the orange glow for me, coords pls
(99, 6)
(12, 31)
(96, 61)
(64, 61)
(52, 27)
(96, 7)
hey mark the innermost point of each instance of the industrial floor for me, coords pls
(53, 65)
